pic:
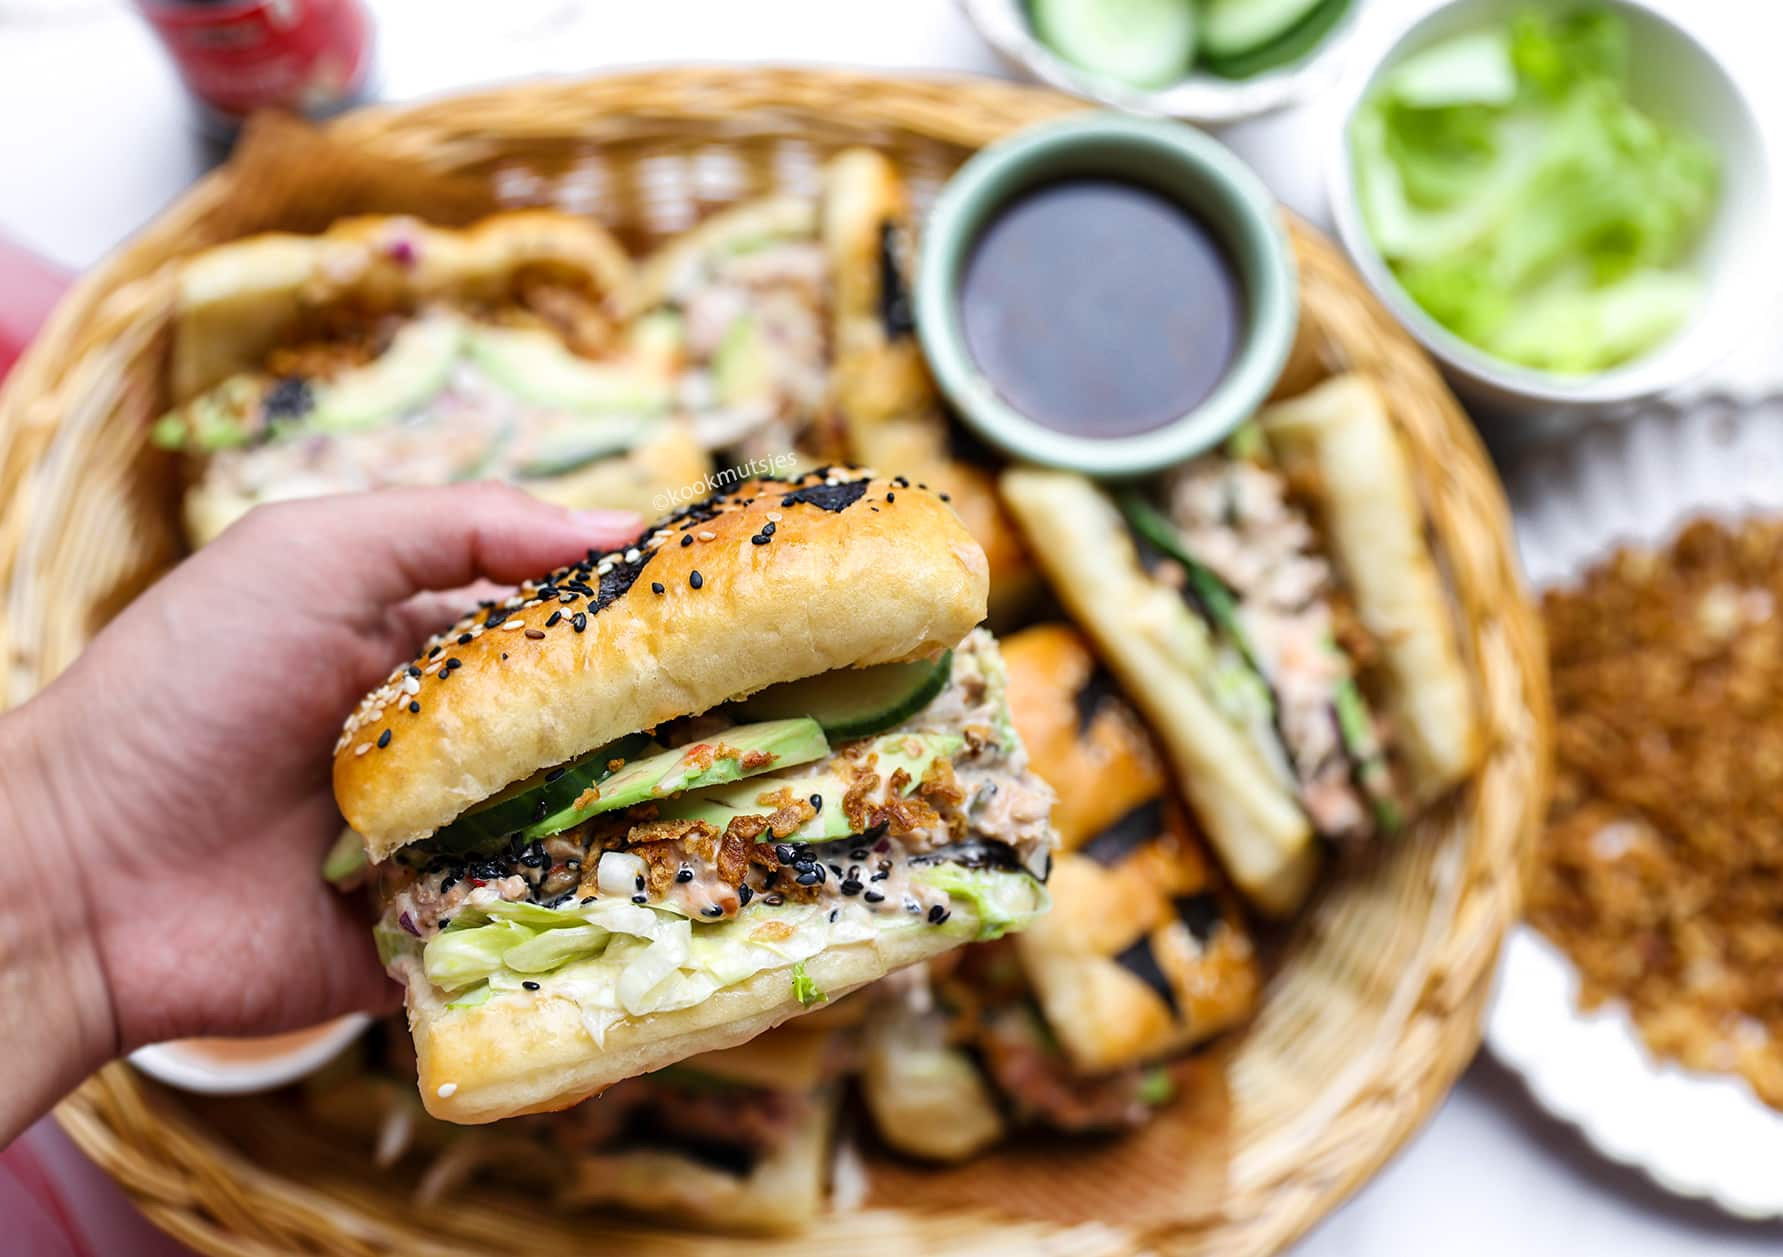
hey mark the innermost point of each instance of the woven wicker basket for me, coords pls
(1376, 1005)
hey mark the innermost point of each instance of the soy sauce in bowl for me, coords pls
(1105, 294)
(1100, 308)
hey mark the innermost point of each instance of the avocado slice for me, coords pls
(535, 367)
(914, 753)
(412, 370)
(785, 742)
(561, 449)
(740, 370)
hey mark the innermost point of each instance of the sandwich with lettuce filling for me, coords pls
(1266, 605)
(386, 351)
(657, 802)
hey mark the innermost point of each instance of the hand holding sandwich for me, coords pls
(165, 804)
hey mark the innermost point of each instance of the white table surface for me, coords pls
(97, 140)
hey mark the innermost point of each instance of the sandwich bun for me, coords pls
(856, 571)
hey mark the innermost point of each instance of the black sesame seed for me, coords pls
(938, 914)
(530, 985)
(640, 899)
(744, 894)
(555, 617)
(537, 635)
(685, 875)
(946, 497)
(873, 896)
(454, 663)
(587, 899)
(445, 922)
(435, 652)
(767, 529)
(816, 803)
(657, 588)
(414, 672)
(686, 539)
(639, 880)
(579, 621)
(414, 708)
(851, 887)
(555, 773)
(695, 579)
(773, 901)
(759, 540)
(890, 496)
(465, 639)
(810, 878)
(711, 910)
(785, 852)
(383, 739)
(834, 912)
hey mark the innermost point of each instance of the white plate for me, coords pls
(1699, 1135)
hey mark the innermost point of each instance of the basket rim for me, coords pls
(1452, 1000)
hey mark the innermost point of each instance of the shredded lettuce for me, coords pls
(804, 988)
(1525, 202)
(1002, 901)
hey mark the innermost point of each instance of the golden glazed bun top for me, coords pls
(769, 581)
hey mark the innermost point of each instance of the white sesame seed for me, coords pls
(631, 555)
(530, 602)
(706, 534)
(362, 748)
(774, 517)
(606, 565)
(447, 1090)
(432, 668)
(410, 685)
(511, 625)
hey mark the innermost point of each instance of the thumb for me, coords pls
(381, 548)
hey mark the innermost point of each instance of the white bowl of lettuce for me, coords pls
(1570, 205)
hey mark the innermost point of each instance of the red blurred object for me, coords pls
(29, 287)
(309, 56)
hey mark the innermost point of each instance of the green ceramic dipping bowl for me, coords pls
(1173, 160)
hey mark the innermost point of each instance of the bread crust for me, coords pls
(779, 1196)
(530, 1053)
(856, 572)
(1082, 545)
(1339, 437)
(238, 301)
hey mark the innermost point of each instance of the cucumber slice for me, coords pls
(572, 446)
(1231, 27)
(855, 702)
(1206, 586)
(345, 859)
(1293, 44)
(1143, 43)
(784, 743)
(548, 791)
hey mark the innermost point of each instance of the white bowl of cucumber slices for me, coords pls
(1206, 61)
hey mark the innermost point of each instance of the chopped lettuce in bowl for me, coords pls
(1568, 204)
(1525, 202)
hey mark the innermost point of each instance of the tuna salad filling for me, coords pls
(1249, 564)
(655, 904)
(444, 398)
(757, 343)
